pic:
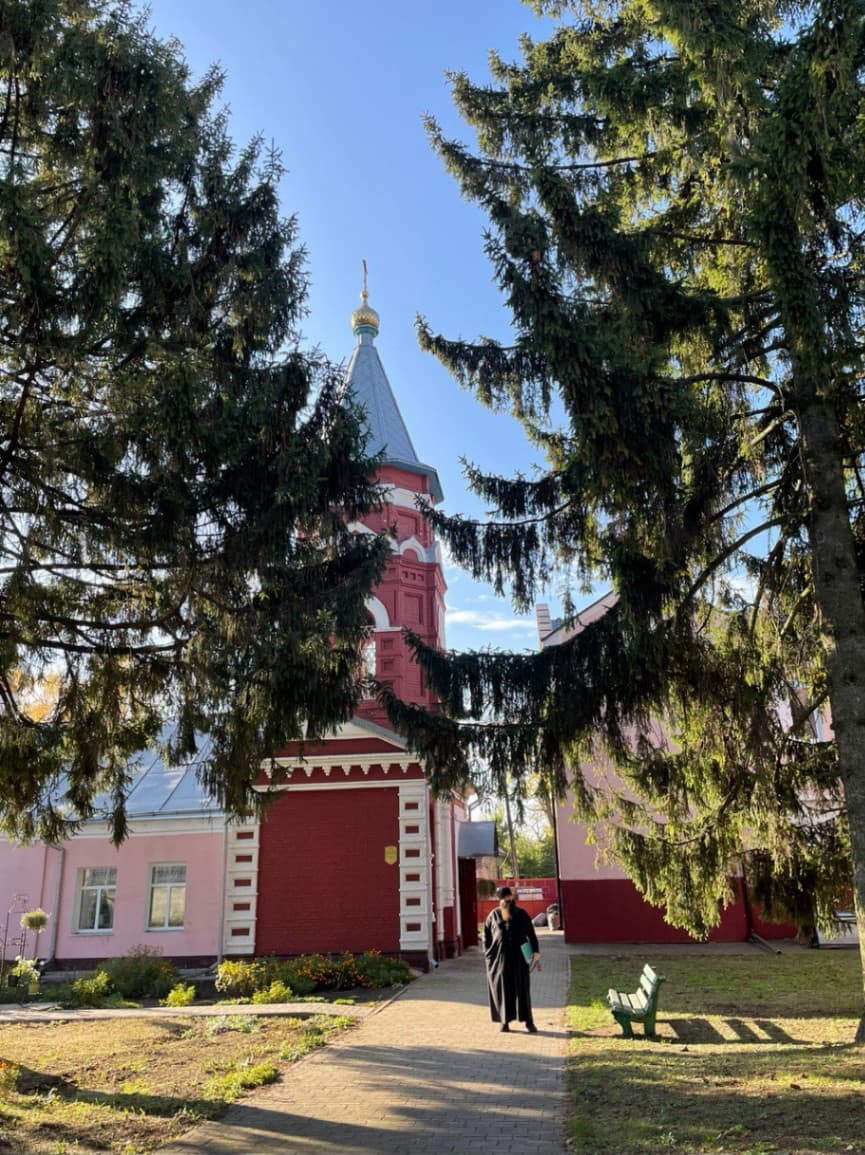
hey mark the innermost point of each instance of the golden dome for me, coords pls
(365, 319)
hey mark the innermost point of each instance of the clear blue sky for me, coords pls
(341, 88)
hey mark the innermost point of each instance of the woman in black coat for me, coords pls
(505, 930)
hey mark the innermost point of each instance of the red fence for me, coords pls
(533, 895)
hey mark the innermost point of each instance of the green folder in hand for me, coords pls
(526, 948)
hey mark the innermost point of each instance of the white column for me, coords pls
(445, 889)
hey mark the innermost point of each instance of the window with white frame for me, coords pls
(167, 906)
(96, 887)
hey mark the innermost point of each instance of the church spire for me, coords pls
(368, 384)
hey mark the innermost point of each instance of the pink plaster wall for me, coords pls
(202, 854)
(31, 873)
(577, 860)
(20, 873)
(21, 870)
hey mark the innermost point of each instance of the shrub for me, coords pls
(25, 970)
(346, 973)
(300, 983)
(277, 992)
(326, 973)
(373, 970)
(267, 981)
(239, 977)
(91, 992)
(141, 974)
(180, 996)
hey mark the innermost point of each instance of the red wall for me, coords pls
(323, 882)
(613, 910)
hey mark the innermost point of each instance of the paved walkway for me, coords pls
(427, 1074)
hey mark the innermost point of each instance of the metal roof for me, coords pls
(367, 382)
(158, 788)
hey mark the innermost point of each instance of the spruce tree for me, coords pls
(176, 473)
(674, 192)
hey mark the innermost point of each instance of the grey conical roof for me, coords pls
(367, 382)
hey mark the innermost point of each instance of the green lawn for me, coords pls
(754, 1056)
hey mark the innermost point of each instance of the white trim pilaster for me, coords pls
(241, 887)
(415, 879)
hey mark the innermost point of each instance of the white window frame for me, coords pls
(83, 886)
(153, 885)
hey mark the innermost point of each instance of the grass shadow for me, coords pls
(148, 1104)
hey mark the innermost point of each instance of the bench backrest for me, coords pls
(650, 980)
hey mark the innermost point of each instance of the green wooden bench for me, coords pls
(641, 1006)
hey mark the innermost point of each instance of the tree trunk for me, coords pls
(837, 587)
(515, 866)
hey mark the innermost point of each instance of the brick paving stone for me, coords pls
(427, 1074)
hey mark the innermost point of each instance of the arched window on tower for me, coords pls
(368, 654)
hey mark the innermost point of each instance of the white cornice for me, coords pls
(331, 761)
(141, 825)
(367, 784)
(336, 765)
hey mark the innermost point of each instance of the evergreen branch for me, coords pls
(9, 699)
(67, 569)
(97, 649)
(442, 520)
(107, 626)
(694, 238)
(768, 429)
(7, 107)
(574, 166)
(807, 592)
(726, 553)
(765, 572)
(15, 428)
(732, 377)
(742, 498)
